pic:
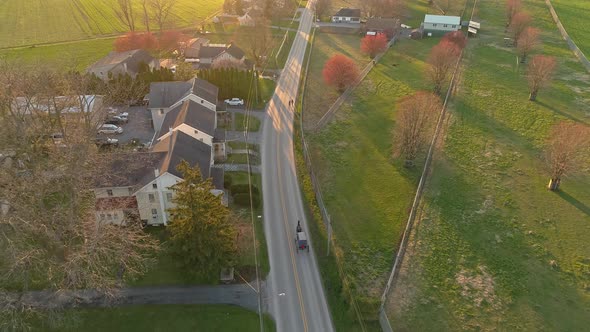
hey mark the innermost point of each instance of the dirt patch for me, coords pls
(478, 287)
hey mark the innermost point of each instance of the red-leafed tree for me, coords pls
(169, 40)
(414, 122)
(520, 21)
(528, 40)
(540, 73)
(512, 7)
(442, 59)
(373, 45)
(340, 71)
(564, 151)
(456, 37)
(132, 41)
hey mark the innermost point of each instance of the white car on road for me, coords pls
(109, 129)
(234, 101)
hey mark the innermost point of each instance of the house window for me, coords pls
(151, 198)
(196, 131)
(454, 26)
(169, 197)
(155, 212)
(161, 112)
(445, 26)
(155, 185)
(130, 191)
(200, 139)
(434, 25)
(109, 192)
(202, 101)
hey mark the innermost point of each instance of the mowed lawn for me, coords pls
(367, 192)
(160, 318)
(494, 250)
(574, 16)
(28, 22)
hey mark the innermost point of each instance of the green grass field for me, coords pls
(574, 17)
(30, 22)
(160, 318)
(494, 250)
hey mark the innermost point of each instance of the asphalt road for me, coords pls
(294, 293)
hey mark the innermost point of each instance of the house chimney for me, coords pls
(156, 172)
(170, 142)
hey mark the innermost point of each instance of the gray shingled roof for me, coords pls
(192, 114)
(235, 51)
(348, 12)
(205, 90)
(209, 52)
(127, 169)
(132, 58)
(165, 94)
(181, 146)
(194, 46)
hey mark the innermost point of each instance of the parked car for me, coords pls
(109, 128)
(100, 141)
(234, 101)
(118, 118)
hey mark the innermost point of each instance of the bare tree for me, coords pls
(160, 10)
(565, 150)
(322, 7)
(441, 61)
(520, 21)
(540, 73)
(528, 41)
(124, 11)
(414, 123)
(512, 7)
(146, 16)
(257, 40)
(382, 8)
(49, 237)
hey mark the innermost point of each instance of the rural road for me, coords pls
(294, 293)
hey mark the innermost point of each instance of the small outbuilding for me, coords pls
(440, 24)
(347, 15)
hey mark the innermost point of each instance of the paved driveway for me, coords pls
(139, 126)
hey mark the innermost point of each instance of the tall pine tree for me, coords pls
(203, 235)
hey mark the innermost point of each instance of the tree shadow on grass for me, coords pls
(573, 201)
(557, 111)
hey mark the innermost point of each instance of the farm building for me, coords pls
(440, 24)
(347, 15)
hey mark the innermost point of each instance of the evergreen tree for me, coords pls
(202, 233)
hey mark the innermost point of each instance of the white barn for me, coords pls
(440, 24)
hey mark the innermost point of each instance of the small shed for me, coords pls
(440, 24)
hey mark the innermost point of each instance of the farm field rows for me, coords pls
(574, 14)
(29, 22)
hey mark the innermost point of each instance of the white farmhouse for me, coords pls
(440, 24)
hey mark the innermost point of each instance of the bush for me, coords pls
(243, 199)
(243, 189)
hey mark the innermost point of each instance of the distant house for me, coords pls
(226, 20)
(211, 54)
(246, 20)
(347, 15)
(191, 49)
(116, 63)
(387, 26)
(439, 24)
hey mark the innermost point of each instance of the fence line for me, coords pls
(570, 43)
